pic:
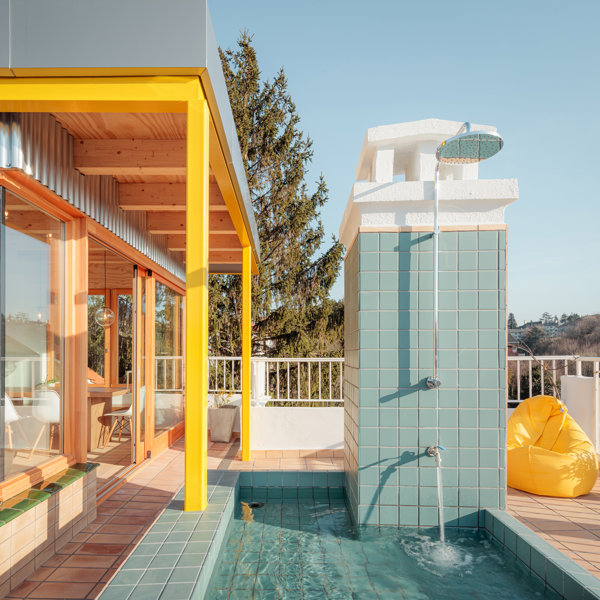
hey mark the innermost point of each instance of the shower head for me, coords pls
(470, 147)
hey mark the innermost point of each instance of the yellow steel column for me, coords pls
(196, 320)
(246, 348)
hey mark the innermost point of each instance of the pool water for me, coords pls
(308, 548)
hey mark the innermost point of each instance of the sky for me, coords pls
(529, 68)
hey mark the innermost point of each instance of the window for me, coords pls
(31, 335)
(169, 393)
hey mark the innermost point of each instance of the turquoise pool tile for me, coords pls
(487, 280)
(488, 260)
(488, 300)
(388, 359)
(468, 517)
(488, 478)
(402, 320)
(368, 261)
(425, 242)
(425, 281)
(274, 478)
(488, 498)
(389, 242)
(524, 552)
(409, 516)
(117, 592)
(489, 399)
(467, 261)
(388, 280)
(388, 515)
(488, 339)
(448, 359)
(425, 261)
(467, 240)
(487, 240)
(468, 497)
(179, 591)
(447, 319)
(144, 592)
(289, 478)
(426, 359)
(447, 300)
(389, 261)
(128, 577)
(467, 319)
(467, 359)
(388, 320)
(388, 339)
(408, 417)
(368, 319)
(488, 359)
(388, 494)
(427, 417)
(467, 438)
(368, 359)
(538, 563)
(368, 300)
(368, 339)
(467, 378)
(388, 436)
(387, 300)
(467, 300)
(368, 281)
(448, 240)
(448, 377)
(448, 261)
(488, 378)
(368, 378)
(488, 418)
(368, 242)
(448, 339)
(425, 339)
(448, 280)
(428, 516)
(405, 241)
(488, 438)
(467, 280)
(447, 417)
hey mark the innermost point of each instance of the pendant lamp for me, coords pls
(104, 316)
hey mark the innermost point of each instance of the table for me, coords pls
(100, 402)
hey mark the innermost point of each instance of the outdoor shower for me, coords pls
(466, 147)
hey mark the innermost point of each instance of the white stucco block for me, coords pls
(580, 395)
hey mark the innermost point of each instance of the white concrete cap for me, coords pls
(381, 203)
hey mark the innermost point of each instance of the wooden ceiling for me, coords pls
(146, 154)
(107, 270)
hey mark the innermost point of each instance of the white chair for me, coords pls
(46, 408)
(122, 415)
(10, 416)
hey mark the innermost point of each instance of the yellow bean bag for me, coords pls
(548, 453)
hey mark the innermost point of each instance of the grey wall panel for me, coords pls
(108, 33)
(39, 146)
(4, 34)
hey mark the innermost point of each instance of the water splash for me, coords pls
(438, 557)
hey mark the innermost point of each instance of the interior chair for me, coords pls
(46, 409)
(123, 417)
(547, 452)
(11, 416)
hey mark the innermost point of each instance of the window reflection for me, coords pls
(31, 338)
(169, 369)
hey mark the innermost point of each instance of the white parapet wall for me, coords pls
(580, 395)
(296, 428)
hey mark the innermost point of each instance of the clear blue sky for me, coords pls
(529, 68)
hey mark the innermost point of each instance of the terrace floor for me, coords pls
(82, 568)
(570, 524)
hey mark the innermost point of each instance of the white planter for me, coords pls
(221, 423)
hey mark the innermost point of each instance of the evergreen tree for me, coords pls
(291, 312)
(512, 322)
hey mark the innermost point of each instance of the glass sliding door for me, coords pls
(169, 391)
(31, 335)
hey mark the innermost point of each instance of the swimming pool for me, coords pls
(308, 548)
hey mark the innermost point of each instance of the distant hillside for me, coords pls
(580, 337)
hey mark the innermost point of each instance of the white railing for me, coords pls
(168, 373)
(304, 380)
(280, 380)
(225, 373)
(24, 373)
(528, 376)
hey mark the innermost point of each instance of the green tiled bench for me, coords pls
(38, 522)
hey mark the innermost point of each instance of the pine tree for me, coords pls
(291, 311)
(512, 322)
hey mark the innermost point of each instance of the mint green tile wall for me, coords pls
(351, 335)
(389, 309)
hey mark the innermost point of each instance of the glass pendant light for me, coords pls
(104, 316)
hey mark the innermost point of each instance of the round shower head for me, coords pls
(468, 148)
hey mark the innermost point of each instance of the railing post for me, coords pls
(246, 348)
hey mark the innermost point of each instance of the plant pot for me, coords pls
(221, 423)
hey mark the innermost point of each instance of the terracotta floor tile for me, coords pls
(23, 590)
(79, 574)
(102, 549)
(60, 590)
(91, 560)
(41, 574)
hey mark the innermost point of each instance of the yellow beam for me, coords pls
(90, 94)
(246, 347)
(196, 364)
